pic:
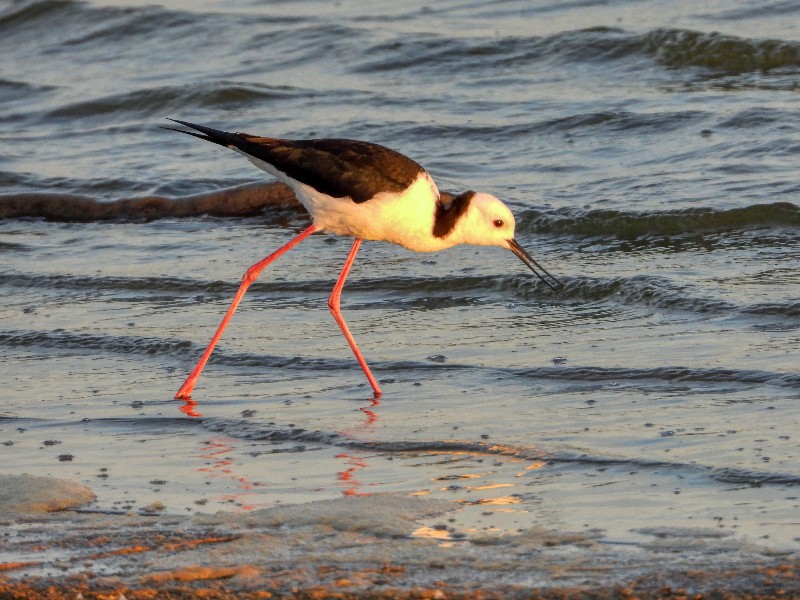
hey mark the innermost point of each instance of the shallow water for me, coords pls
(650, 160)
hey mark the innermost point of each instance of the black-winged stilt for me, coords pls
(368, 192)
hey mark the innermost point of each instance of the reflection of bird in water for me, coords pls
(220, 465)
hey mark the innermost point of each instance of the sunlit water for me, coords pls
(652, 165)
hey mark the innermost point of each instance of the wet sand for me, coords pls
(380, 546)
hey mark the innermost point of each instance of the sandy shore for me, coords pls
(381, 546)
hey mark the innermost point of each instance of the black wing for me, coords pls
(337, 167)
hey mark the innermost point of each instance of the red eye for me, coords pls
(498, 223)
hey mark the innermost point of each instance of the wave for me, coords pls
(135, 345)
(16, 15)
(672, 48)
(785, 309)
(13, 90)
(259, 431)
(431, 52)
(64, 340)
(630, 225)
(642, 289)
(150, 346)
(437, 292)
(222, 95)
(299, 41)
(667, 374)
(59, 281)
(90, 23)
(680, 48)
(310, 439)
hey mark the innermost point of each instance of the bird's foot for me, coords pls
(185, 393)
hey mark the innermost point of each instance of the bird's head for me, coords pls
(487, 221)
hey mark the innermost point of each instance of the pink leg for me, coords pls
(334, 304)
(185, 393)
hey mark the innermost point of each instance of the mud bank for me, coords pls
(247, 200)
(239, 201)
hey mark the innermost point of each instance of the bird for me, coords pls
(368, 192)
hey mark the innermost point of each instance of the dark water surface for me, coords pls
(649, 150)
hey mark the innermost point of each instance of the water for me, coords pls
(649, 150)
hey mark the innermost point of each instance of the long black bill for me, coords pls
(551, 281)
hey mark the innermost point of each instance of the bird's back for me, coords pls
(339, 168)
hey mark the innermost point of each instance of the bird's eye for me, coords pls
(498, 223)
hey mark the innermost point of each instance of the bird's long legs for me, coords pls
(334, 304)
(185, 393)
